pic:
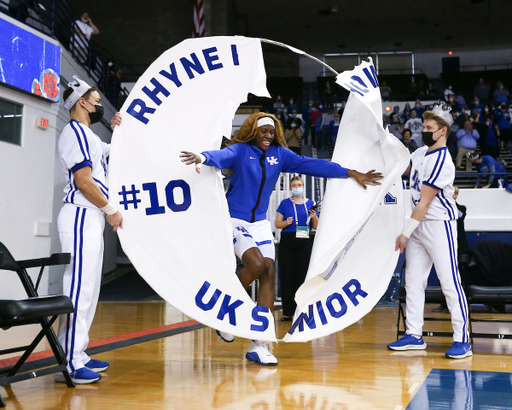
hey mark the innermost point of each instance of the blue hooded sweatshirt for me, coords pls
(255, 173)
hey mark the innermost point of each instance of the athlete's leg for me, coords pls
(254, 266)
(417, 270)
(81, 234)
(443, 248)
(267, 291)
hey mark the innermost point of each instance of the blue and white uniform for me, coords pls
(434, 241)
(81, 226)
(255, 173)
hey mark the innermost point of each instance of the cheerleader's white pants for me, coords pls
(81, 234)
(435, 242)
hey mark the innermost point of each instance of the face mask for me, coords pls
(477, 102)
(428, 138)
(486, 109)
(97, 115)
(293, 125)
(85, 21)
(489, 124)
(297, 191)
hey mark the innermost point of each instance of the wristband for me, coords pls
(203, 158)
(109, 209)
(411, 226)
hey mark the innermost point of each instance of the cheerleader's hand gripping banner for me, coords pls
(354, 254)
(177, 230)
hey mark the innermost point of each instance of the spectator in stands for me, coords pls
(291, 106)
(293, 118)
(452, 140)
(420, 109)
(84, 29)
(385, 91)
(487, 164)
(415, 125)
(396, 128)
(503, 119)
(325, 128)
(293, 134)
(482, 91)
(279, 115)
(396, 113)
(476, 107)
(335, 125)
(306, 117)
(278, 105)
(467, 138)
(460, 101)
(407, 140)
(500, 93)
(491, 134)
(314, 116)
(328, 95)
(406, 113)
(448, 92)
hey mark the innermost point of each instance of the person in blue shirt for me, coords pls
(504, 121)
(257, 156)
(467, 138)
(487, 164)
(296, 217)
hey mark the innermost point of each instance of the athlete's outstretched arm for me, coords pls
(222, 159)
(427, 194)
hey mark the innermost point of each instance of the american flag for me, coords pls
(198, 19)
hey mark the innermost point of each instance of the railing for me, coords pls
(486, 67)
(56, 18)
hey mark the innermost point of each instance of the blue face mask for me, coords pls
(297, 191)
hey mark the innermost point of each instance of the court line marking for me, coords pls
(413, 388)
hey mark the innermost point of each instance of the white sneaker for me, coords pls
(227, 337)
(258, 352)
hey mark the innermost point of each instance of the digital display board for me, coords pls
(29, 62)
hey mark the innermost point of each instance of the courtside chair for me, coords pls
(36, 309)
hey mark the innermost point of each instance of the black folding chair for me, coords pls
(35, 309)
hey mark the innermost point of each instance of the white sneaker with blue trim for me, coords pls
(258, 352)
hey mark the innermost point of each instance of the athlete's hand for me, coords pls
(190, 158)
(401, 243)
(289, 220)
(115, 220)
(116, 120)
(370, 178)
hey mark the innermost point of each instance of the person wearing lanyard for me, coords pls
(296, 218)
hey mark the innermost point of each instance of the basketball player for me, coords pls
(257, 156)
(81, 222)
(431, 236)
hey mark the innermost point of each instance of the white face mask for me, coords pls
(297, 191)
